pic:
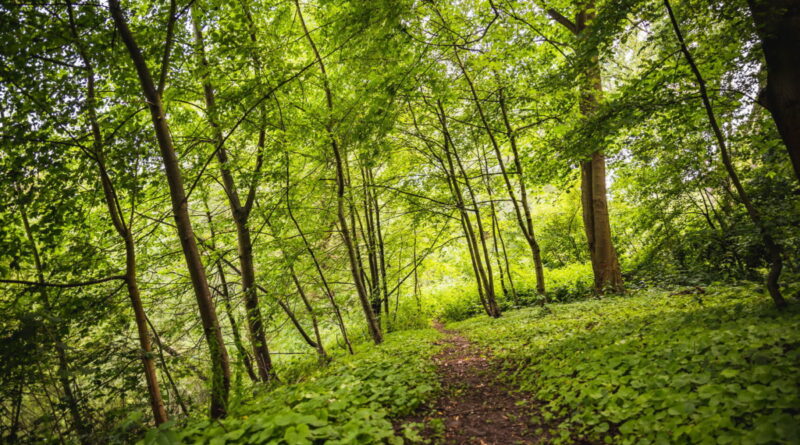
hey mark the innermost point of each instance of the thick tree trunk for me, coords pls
(594, 197)
(778, 26)
(608, 275)
(240, 214)
(218, 354)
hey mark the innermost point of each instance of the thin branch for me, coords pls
(65, 285)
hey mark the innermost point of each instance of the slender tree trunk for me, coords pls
(482, 264)
(487, 182)
(226, 299)
(773, 249)
(320, 347)
(82, 428)
(778, 26)
(527, 224)
(381, 245)
(240, 214)
(510, 276)
(123, 230)
(326, 287)
(527, 229)
(416, 278)
(355, 263)
(217, 352)
(165, 369)
(372, 249)
(16, 411)
(447, 166)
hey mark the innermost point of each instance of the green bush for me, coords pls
(349, 402)
(719, 367)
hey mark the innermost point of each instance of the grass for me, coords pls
(351, 401)
(722, 367)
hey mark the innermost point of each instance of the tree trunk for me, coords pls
(527, 225)
(594, 197)
(82, 428)
(320, 347)
(226, 299)
(778, 26)
(326, 287)
(373, 326)
(217, 352)
(773, 249)
(483, 264)
(124, 231)
(240, 214)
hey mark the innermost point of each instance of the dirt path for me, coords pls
(474, 406)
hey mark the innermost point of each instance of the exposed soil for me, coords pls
(475, 407)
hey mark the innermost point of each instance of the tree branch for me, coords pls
(567, 23)
(65, 285)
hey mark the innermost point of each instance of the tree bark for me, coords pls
(326, 287)
(778, 26)
(240, 214)
(218, 354)
(525, 225)
(483, 265)
(226, 299)
(594, 196)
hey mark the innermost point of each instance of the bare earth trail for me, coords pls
(475, 407)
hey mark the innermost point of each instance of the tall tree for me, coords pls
(218, 353)
(774, 253)
(340, 161)
(239, 210)
(594, 196)
(123, 228)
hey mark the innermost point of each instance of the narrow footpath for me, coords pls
(474, 406)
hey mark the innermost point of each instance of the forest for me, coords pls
(400, 221)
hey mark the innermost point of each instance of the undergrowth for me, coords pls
(654, 367)
(351, 401)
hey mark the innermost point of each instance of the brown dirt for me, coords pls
(475, 407)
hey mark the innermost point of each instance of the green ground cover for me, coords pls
(349, 402)
(720, 367)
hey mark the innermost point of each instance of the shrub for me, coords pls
(349, 402)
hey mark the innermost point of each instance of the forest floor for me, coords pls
(475, 407)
